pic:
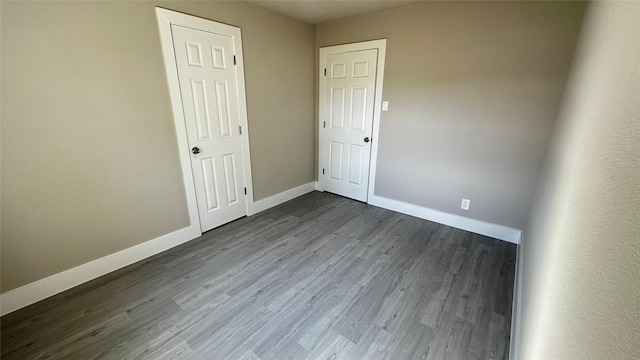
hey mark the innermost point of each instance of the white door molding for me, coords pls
(381, 46)
(166, 18)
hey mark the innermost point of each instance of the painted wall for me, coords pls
(473, 90)
(581, 265)
(89, 151)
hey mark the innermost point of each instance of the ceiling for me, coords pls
(317, 11)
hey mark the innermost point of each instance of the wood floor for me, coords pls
(319, 277)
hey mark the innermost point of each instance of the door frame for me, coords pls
(381, 45)
(166, 18)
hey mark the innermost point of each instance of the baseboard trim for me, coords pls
(54, 284)
(277, 199)
(516, 305)
(477, 226)
(39, 290)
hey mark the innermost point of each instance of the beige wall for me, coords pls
(89, 155)
(473, 88)
(581, 264)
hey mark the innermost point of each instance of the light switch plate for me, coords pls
(465, 204)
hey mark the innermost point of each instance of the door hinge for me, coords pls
(240, 129)
(325, 71)
(324, 124)
(323, 171)
(234, 59)
(245, 191)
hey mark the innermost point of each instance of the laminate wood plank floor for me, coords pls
(318, 277)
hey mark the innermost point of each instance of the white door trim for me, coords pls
(165, 19)
(381, 45)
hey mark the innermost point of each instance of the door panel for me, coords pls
(349, 90)
(230, 178)
(224, 118)
(210, 183)
(337, 108)
(203, 121)
(358, 108)
(336, 157)
(209, 91)
(356, 154)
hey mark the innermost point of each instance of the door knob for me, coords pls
(195, 150)
(366, 139)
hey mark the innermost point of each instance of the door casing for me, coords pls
(381, 45)
(165, 19)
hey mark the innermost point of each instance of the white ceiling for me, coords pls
(317, 11)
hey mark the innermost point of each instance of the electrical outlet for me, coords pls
(385, 106)
(465, 204)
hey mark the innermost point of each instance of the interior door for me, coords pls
(345, 139)
(209, 90)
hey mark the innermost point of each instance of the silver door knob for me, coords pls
(195, 150)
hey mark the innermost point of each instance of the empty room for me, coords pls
(319, 179)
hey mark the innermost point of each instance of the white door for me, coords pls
(209, 90)
(347, 122)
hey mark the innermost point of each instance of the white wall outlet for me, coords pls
(385, 105)
(465, 204)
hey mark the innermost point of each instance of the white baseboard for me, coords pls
(54, 284)
(477, 226)
(39, 290)
(277, 199)
(516, 307)
(317, 186)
